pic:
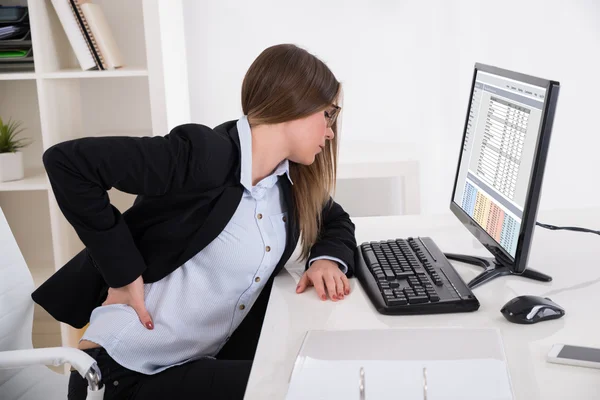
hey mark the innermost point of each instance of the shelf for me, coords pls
(16, 76)
(76, 73)
(35, 179)
(58, 101)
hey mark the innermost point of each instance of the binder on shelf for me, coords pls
(100, 30)
(87, 33)
(74, 35)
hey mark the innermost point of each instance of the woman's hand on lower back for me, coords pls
(133, 296)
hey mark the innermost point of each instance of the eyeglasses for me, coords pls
(331, 115)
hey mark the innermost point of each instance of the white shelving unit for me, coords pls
(59, 101)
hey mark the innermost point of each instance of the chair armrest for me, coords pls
(81, 361)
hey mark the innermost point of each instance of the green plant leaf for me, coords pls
(9, 143)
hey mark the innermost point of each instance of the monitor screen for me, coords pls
(498, 155)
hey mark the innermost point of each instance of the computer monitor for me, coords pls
(501, 167)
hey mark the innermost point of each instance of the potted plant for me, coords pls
(11, 159)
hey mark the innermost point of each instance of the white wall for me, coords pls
(407, 66)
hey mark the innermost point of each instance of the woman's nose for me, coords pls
(329, 134)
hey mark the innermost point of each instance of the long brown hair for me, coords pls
(285, 83)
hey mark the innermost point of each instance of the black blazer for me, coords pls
(188, 187)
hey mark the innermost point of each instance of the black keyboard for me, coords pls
(411, 276)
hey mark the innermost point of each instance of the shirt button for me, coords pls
(268, 248)
(284, 219)
(257, 279)
(259, 216)
(242, 306)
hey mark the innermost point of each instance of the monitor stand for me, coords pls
(493, 268)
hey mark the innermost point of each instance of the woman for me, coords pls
(175, 289)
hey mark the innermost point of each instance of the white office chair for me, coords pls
(23, 375)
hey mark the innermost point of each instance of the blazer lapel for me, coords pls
(293, 232)
(225, 205)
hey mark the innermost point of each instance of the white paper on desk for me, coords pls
(329, 362)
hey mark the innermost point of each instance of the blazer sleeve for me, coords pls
(336, 239)
(81, 171)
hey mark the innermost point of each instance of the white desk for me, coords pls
(570, 258)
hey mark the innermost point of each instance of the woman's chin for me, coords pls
(310, 160)
(305, 160)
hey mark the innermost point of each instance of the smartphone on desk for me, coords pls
(575, 355)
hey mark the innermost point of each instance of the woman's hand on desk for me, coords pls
(133, 296)
(327, 278)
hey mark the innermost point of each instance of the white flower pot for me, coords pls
(11, 166)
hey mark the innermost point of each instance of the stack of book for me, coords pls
(16, 53)
(89, 34)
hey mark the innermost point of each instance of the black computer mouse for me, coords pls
(531, 309)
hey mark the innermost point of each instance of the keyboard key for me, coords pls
(370, 257)
(397, 302)
(418, 299)
(394, 285)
